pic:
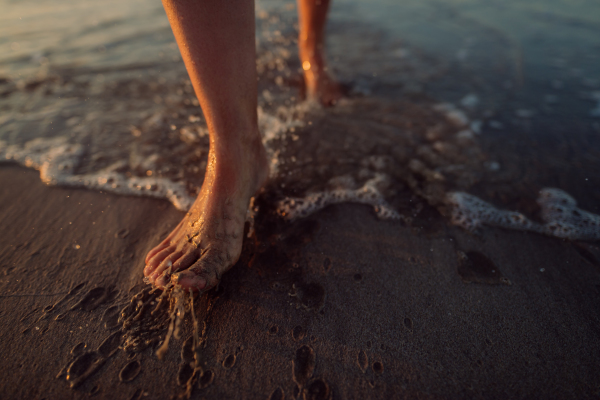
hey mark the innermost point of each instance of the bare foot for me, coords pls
(320, 85)
(208, 241)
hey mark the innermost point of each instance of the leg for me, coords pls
(216, 40)
(319, 84)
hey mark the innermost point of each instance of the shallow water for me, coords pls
(498, 99)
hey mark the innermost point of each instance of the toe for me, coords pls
(190, 280)
(165, 243)
(185, 261)
(157, 259)
(163, 266)
(206, 272)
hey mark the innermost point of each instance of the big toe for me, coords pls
(190, 280)
(206, 272)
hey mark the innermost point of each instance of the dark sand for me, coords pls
(397, 320)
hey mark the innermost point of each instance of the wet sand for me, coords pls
(381, 310)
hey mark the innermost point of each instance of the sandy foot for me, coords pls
(208, 241)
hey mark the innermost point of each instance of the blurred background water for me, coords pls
(107, 77)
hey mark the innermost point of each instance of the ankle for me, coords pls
(244, 157)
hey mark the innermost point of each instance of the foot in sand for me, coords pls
(208, 241)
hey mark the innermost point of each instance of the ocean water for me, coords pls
(495, 99)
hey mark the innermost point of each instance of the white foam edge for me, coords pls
(562, 218)
(293, 208)
(56, 160)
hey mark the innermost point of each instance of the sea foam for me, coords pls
(560, 214)
(293, 208)
(57, 160)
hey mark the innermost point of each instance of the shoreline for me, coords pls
(384, 307)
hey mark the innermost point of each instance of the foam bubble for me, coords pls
(293, 208)
(453, 114)
(470, 212)
(562, 218)
(470, 101)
